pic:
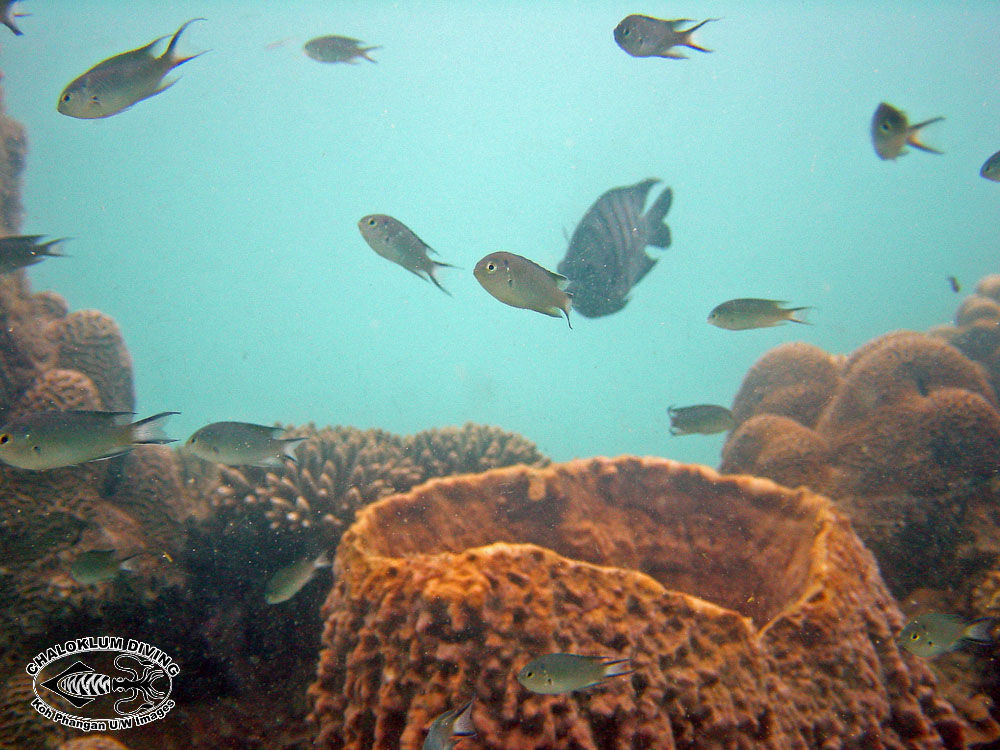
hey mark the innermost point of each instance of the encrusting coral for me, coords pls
(752, 614)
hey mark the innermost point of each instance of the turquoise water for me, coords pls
(217, 222)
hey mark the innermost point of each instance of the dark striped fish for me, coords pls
(607, 256)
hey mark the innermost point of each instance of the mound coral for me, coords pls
(752, 614)
(977, 328)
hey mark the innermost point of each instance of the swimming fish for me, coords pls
(288, 581)
(50, 439)
(333, 49)
(560, 673)
(644, 36)
(394, 241)
(891, 132)
(24, 250)
(456, 722)
(742, 314)
(117, 83)
(7, 16)
(100, 565)
(702, 419)
(955, 286)
(607, 256)
(935, 633)
(520, 282)
(242, 444)
(991, 168)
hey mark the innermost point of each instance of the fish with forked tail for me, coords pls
(746, 313)
(334, 49)
(25, 250)
(644, 36)
(395, 241)
(519, 282)
(607, 255)
(117, 83)
(892, 132)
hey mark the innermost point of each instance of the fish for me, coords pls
(7, 16)
(520, 282)
(334, 49)
(955, 286)
(891, 132)
(702, 419)
(242, 444)
(394, 241)
(51, 439)
(991, 168)
(456, 722)
(935, 633)
(290, 580)
(644, 36)
(561, 673)
(20, 251)
(117, 83)
(101, 565)
(607, 255)
(743, 314)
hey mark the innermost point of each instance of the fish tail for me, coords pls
(801, 318)
(659, 233)
(289, 446)
(981, 630)
(567, 306)
(617, 667)
(689, 42)
(433, 278)
(150, 430)
(463, 726)
(169, 54)
(913, 136)
(364, 53)
(48, 248)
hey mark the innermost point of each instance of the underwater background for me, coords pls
(403, 569)
(217, 222)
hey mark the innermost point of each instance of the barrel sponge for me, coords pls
(90, 341)
(778, 448)
(753, 616)
(896, 367)
(792, 380)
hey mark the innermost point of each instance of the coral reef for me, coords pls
(977, 327)
(753, 616)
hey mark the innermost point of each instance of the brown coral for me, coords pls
(753, 615)
(90, 342)
(977, 327)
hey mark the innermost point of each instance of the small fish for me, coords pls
(288, 581)
(935, 633)
(955, 286)
(607, 255)
(742, 314)
(50, 439)
(702, 419)
(101, 565)
(7, 16)
(991, 168)
(891, 132)
(117, 83)
(520, 282)
(242, 444)
(394, 241)
(456, 722)
(334, 49)
(24, 250)
(561, 673)
(644, 36)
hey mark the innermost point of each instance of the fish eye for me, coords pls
(371, 222)
(529, 674)
(5, 438)
(36, 448)
(626, 31)
(66, 97)
(491, 267)
(914, 636)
